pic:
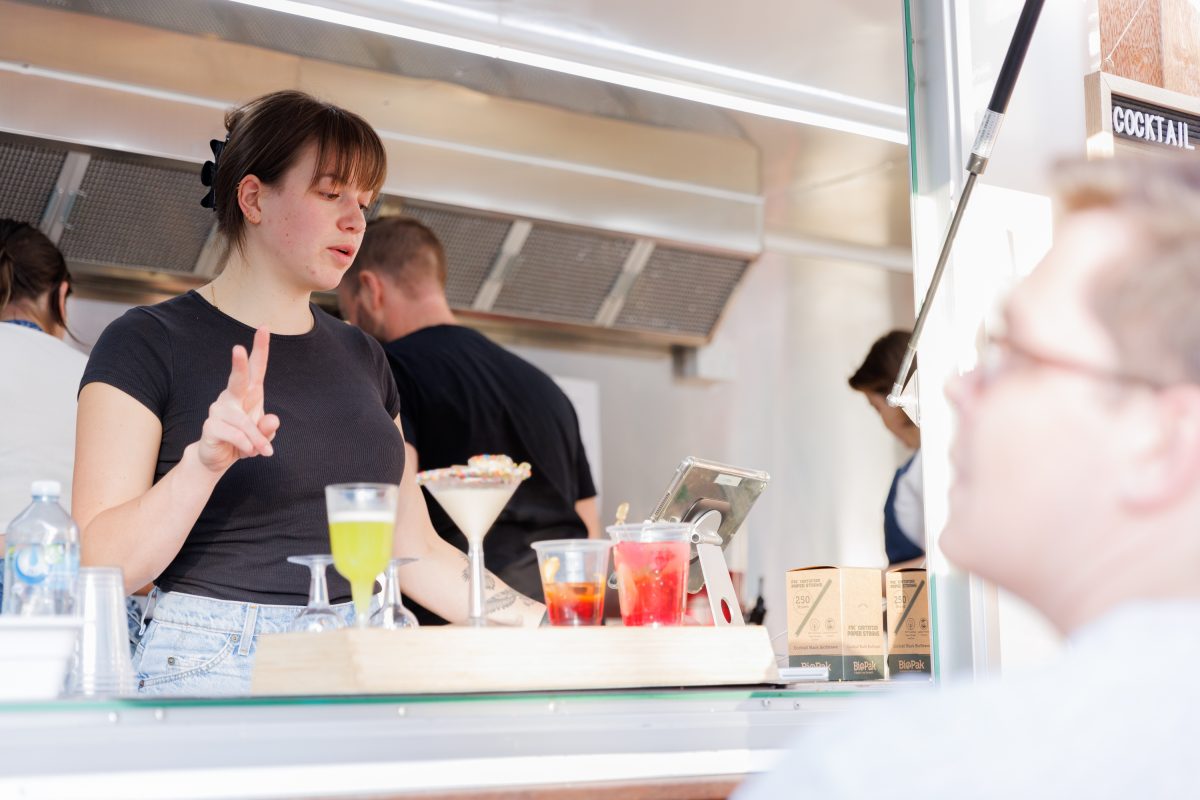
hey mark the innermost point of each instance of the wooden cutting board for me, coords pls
(450, 659)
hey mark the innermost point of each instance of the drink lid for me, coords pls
(47, 489)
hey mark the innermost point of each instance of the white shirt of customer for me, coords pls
(1102, 722)
(37, 426)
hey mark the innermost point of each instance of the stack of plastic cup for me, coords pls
(102, 665)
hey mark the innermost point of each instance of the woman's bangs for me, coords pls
(350, 151)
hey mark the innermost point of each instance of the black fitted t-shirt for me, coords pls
(462, 394)
(336, 400)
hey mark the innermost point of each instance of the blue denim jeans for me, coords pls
(201, 647)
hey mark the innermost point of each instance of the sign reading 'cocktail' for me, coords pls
(1154, 125)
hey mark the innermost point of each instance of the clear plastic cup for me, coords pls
(574, 573)
(652, 561)
(102, 665)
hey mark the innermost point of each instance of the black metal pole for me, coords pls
(981, 151)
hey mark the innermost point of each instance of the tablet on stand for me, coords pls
(715, 499)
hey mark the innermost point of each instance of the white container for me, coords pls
(35, 653)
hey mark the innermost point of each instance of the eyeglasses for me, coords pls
(1003, 355)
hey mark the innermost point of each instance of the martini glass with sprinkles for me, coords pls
(473, 495)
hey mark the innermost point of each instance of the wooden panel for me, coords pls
(1181, 46)
(451, 659)
(1131, 39)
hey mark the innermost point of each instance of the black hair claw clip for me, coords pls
(208, 173)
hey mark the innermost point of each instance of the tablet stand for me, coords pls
(722, 599)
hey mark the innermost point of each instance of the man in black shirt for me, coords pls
(462, 395)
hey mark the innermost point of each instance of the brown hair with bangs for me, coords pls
(1146, 297)
(267, 135)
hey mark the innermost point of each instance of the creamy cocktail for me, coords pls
(473, 495)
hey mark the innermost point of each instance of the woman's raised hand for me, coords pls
(236, 426)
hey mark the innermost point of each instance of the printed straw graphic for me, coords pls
(908, 607)
(816, 603)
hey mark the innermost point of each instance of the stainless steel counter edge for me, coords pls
(338, 746)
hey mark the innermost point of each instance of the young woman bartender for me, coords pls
(203, 476)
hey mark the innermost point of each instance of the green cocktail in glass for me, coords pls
(362, 518)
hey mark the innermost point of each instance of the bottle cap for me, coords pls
(47, 489)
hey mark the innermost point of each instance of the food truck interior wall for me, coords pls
(793, 332)
(797, 325)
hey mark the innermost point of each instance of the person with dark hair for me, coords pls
(203, 474)
(41, 372)
(461, 394)
(904, 510)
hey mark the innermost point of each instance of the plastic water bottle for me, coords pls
(41, 563)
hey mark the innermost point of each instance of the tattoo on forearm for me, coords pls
(489, 580)
(501, 600)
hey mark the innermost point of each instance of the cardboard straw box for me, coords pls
(908, 622)
(835, 619)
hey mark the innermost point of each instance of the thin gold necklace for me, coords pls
(212, 289)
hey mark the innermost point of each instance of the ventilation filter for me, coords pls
(680, 291)
(131, 213)
(562, 274)
(27, 175)
(471, 243)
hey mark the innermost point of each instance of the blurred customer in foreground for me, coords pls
(904, 509)
(1077, 487)
(40, 372)
(462, 394)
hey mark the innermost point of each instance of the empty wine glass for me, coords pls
(317, 616)
(392, 613)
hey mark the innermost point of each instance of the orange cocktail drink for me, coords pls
(574, 572)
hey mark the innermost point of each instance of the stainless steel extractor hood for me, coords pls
(604, 223)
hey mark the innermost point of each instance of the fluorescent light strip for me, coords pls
(372, 25)
(707, 67)
(655, 55)
(487, 152)
(672, 88)
(702, 94)
(580, 169)
(126, 88)
(449, 9)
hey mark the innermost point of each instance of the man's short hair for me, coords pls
(878, 371)
(404, 249)
(1147, 299)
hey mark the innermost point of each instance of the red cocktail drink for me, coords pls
(651, 561)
